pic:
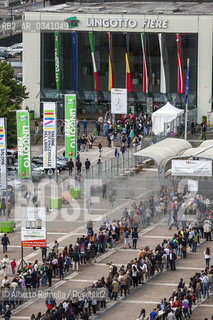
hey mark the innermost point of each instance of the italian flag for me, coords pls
(93, 60)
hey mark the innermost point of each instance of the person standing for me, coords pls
(3, 206)
(203, 130)
(7, 313)
(99, 164)
(207, 256)
(5, 263)
(205, 285)
(85, 122)
(207, 229)
(70, 165)
(5, 241)
(13, 266)
(49, 275)
(100, 149)
(193, 128)
(134, 238)
(87, 166)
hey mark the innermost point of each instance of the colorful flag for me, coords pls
(162, 69)
(49, 135)
(145, 78)
(187, 83)
(70, 125)
(110, 64)
(3, 155)
(180, 70)
(93, 60)
(23, 136)
(74, 58)
(57, 63)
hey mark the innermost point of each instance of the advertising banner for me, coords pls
(33, 227)
(23, 136)
(3, 155)
(57, 62)
(195, 168)
(70, 126)
(49, 135)
(119, 101)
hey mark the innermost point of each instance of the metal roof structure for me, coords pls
(164, 150)
(133, 7)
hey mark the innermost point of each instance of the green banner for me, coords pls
(70, 126)
(23, 137)
(57, 63)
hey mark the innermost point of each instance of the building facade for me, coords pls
(125, 28)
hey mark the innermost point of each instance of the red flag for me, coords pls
(128, 75)
(180, 70)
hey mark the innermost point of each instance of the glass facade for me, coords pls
(120, 44)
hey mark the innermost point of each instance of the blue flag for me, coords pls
(187, 83)
(74, 57)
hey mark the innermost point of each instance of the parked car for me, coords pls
(38, 160)
(14, 50)
(12, 174)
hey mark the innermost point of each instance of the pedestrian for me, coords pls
(50, 175)
(85, 122)
(7, 313)
(70, 165)
(88, 205)
(193, 128)
(106, 129)
(87, 165)
(5, 263)
(78, 166)
(9, 206)
(100, 149)
(134, 238)
(3, 206)
(207, 256)
(205, 286)
(148, 213)
(203, 130)
(142, 315)
(99, 165)
(76, 259)
(13, 266)
(207, 229)
(98, 127)
(49, 275)
(5, 241)
(185, 304)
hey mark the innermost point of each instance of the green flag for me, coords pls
(57, 63)
(23, 136)
(70, 126)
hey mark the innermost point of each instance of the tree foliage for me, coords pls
(12, 95)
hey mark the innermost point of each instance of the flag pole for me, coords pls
(186, 98)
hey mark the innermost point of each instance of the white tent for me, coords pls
(165, 114)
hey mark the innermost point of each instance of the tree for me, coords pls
(12, 95)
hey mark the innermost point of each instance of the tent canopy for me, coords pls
(161, 151)
(165, 114)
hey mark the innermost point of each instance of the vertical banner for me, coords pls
(23, 136)
(145, 78)
(93, 60)
(180, 69)
(57, 64)
(74, 58)
(49, 135)
(3, 155)
(70, 125)
(162, 69)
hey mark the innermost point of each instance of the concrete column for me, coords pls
(204, 81)
(31, 69)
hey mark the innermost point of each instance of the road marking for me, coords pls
(156, 237)
(190, 268)
(206, 305)
(139, 301)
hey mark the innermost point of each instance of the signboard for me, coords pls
(23, 136)
(33, 227)
(195, 168)
(49, 135)
(119, 101)
(3, 155)
(70, 126)
(210, 119)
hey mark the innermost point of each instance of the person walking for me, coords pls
(5, 263)
(5, 241)
(70, 165)
(203, 130)
(193, 128)
(207, 256)
(99, 165)
(78, 166)
(85, 122)
(3, 206)
(100, 149)
(7, 313)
